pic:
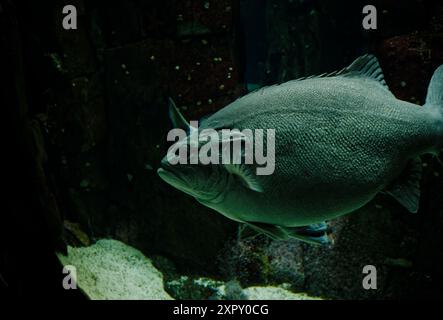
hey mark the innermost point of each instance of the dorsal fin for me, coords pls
(364, 66)
(177, 119)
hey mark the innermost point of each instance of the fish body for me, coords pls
(339, 140)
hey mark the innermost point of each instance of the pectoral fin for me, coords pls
(406, 188)
(237, 167)
(245, 175)
(313, 234)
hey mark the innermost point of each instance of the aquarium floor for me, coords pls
(112, 270)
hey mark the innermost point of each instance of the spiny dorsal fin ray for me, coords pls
(364, 66)
(367, 66)
(177, 119)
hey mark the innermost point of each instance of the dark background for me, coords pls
(85, 113)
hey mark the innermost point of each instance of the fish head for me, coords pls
(205, 182)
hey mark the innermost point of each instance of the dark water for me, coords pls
(88, 116)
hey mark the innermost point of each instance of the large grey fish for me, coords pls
(340, 139)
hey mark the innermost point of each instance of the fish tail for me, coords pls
(434, 101)
(434, 98)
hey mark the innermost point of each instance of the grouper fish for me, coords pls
(340, 139)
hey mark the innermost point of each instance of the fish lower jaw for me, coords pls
(171, 178)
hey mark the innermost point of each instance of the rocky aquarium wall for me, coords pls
(86, 115)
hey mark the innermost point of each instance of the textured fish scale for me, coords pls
(339, 141)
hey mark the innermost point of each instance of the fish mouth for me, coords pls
(171, 176)
(168, 175)
(173, 179)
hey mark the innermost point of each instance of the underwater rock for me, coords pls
(232, 290)
(41, 182)
(286, 263)
(186, 288)
(78, 235)
(77, 114)
(335, 271)
(112, 270)
(246, 260)
(275, 293)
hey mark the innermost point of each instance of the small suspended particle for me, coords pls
(84, 183)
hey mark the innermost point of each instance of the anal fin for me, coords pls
(406, 188)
